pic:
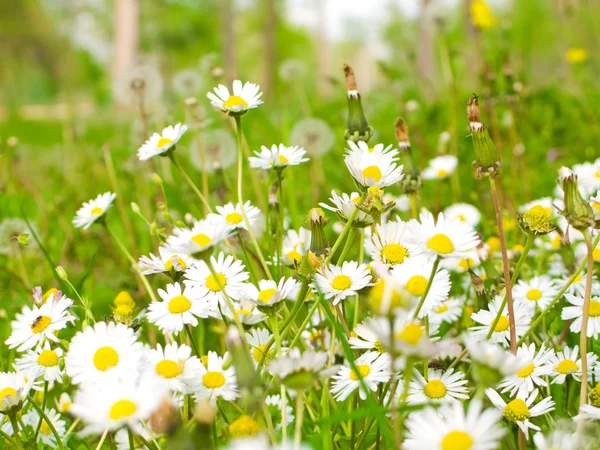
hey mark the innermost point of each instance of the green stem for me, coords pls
(190, 182)
(44, 400)
(342, 235)
(46, 419)
(131, 443)
(86, 305)
(9, 439)
(188, 330)
(347, 246)
(429, 283)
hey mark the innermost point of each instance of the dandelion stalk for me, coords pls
(427, 288)
(189, 181)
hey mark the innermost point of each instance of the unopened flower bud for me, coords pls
(412, 180)
(358, 128)
(205, 413)
(316, 222)
(577, 211)
(157, 179)
(135, 208)
(61, 272)
(487, 159)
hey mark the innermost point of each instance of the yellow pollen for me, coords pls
(416, 285)
(245, 312)
(40, 324)
(534, 295)
(234, 102)
(213, 380)
(164, 142)
(566, 366)
(234, 218)
(45, 428)
(124, 298)
(283, 159)
(516, 411)
(435, 389)
(357, 200)
(394, 254)
(577, 279)
(457, 440)
(7, 392)
(466, 263)
(372, 172)
(48, 293)
(204, 359)
(180, 263)
(48, 358)
(168, 369)
(341, 282)
(526, 371)
(179, 304)
(411, 334)
(594, 308)
(555, 241)
(442, 173)
(266, 295)
(502, 324)
(96, 211)
(294, 256)
(214, 284)
(363, 371)
(370, 150)
(260, 352)
(123, 310)
(494, 244)
(202, 240)
(462, 218)
(596, 206)
(244, 427)
(442, 309)
(440, 243)
(105, 358)
(596, 254)
(122, 409)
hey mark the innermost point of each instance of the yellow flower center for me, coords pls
(260, 352)
(566, 366)
(457, 440)
(45, 428)
(481, 15)
(466, 263)
(537, 218)
(577, 279)
(266, 294)
(440, 243)
(411, 334)
(441, 309)
(123, 310)
(494, 244)
(234, 218)
(435, 389)
(462, 218)
(244, 427)
(383, 296)
(179, 304)
(124, 298)
(48, 293)
(167, 368)
(596, 254)
(372, 172)
(357, 200)
(416, 285)
(215, 284)
(526, 371)
(294, 255)
(96, 211)
(341, 282)
(235, 101)
(555, 241)
(122, 409)
(363, 371)
(516, 411)
(164, 142)
(442, 173)
(105, 358)
(65, 407)
(283, 159)
(577, 55)
(48, 358)
(502, 324)
(213, 380)
(180, 262)
(7, 392)
(596, 205)
(394, 254)
(202, 240)
(534, 295)
(594, 308)
(40, 324)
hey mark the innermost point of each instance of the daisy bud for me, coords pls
(316, 222)
(157, 179)
(205, 413)
(358, 128)
(242, 361)
(61, 273)
(165, 418)
(595, 396)
(412, 180)
(487, 159)
(135, 208)
(374, 204)
(577, 211)
(536, 221)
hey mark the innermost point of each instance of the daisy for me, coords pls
(173, 364)
(492, 357)
(463, 212)
(345, 205)
(168, 261)
(414, 278)
(110, 406)
(538, 291)
(244, 97)
(576, 312)
(179, 307)
(46, 435)
(524, 381)
(64, 403)
(362, 146)
(501, 332)
(93, 210)
(213, 381)
(364, 338)
(443, 238)
(270, 293)
(521, 409)
(372, 368)
(440, 167)
(588, 412)
(410, 338)
(449, 427)
(581, 251)
(566, 363)
(43, 361)
(439, 387)
(278, 157)
(106, 352)
(203, 236)
(234, 218)
(14, 389)
(469, 260)
(244, 310)
(337, 282)
(35, 325)
(258, 340)
(274, 405)
(373, 169)
(159, 144)
(556, 440)
(389, 243)
(298, 371)
(230, 279)
(295, 245)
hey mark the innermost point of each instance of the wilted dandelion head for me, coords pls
(10, 229)
(138, 84)
(314, 135)
(187, 82)
(210, 64)
(217, 149)
(292, 69)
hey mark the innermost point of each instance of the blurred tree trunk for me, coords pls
(228, 36)
(270, 56)
(127, 29)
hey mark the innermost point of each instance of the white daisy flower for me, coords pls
(35, 325)
(576, 312)
(43, 361)
(578, 286)
(295, 245)
(167, 261)
(372, 367)
(205, 234)
(258, 340)
(213, 381)
(310, 364)
(442, 238)
(230, 277)
(492, 356)
(449, 427)
(93, 210)
(501, 333)
(269, 293)
(414, 275)
(588, 175)
(556, 440)
(337, 282)
(448, 311)
(362, 146)
(364, 338)
(440, 167)
(110, 406)
(46, 436)
(274, 404)
(278, 157)
(179, 307)
(122, 438)
(389, 243)
(530, 375)
(521, 409)
(159, 144)
(245, 311)
(345, 205)
(538, 291)
(64, 403)
(234, 218)
(581, 251)
(588, 412)
(409, 336)
(106, 352)
(463, 212)
(439, 387)
(468, 260)
(373, 169)
(567, 362)
(243, 98)
(173, 364)
(14, 389)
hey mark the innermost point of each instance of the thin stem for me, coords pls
(190, 182)
(102, 439)
(84, 302)
(429, 283)
(347, 246)
(9, 439)
(44, 400)
(413, 205)
(46, 419)
(131, 443)
(299, 419)
(342, 235)
(188, 330)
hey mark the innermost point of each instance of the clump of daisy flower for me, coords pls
(93, 210)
